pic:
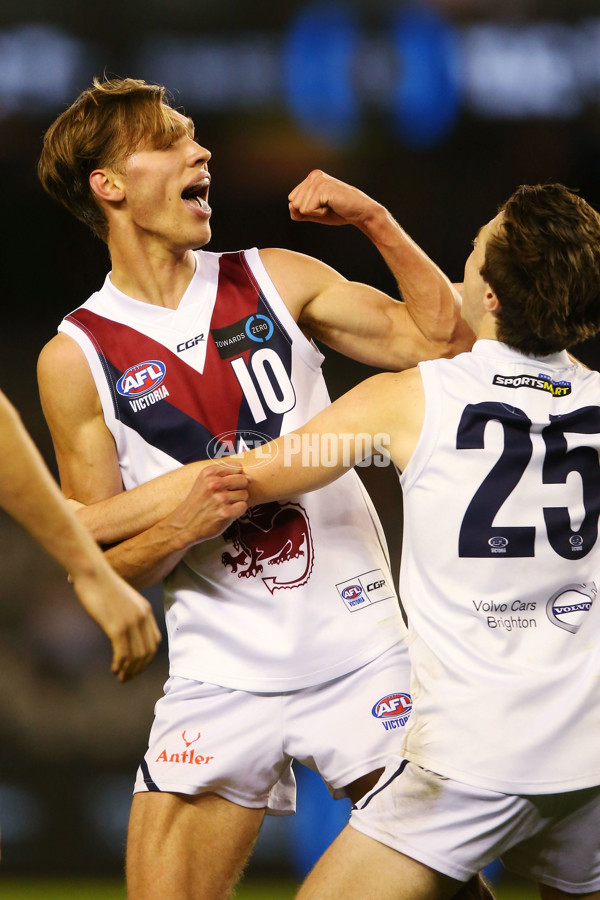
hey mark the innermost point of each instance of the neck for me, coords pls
(487, 328)
(152, 275)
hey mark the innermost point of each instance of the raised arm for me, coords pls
(357, 320)
(29, 494)
(164, 524)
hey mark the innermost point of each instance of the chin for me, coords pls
(205, 238)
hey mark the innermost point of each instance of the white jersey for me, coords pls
(499, 575)
(294, 593)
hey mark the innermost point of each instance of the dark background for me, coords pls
(437, 110)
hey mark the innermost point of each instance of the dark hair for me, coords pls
(106, 124)
(544, 266)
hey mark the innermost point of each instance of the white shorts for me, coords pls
(458, 829)
(240, 745)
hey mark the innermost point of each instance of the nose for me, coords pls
(198, 153)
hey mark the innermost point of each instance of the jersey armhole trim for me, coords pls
(95, 360)
(431, 424)
(306, 349)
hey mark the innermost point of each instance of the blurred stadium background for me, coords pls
(438, 109)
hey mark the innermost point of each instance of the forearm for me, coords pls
(357, 320)
(381, 416)
(323, 450)
(217, 497)
(147, 558)
(30, 495)
(431, 300)
(131, 512)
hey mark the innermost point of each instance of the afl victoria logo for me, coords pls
(393, 710)
(392, 706)
(352, 592)
(141, 378)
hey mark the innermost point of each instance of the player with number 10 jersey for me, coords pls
(254, 609)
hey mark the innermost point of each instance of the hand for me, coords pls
(219, 497)
(124, 615)
(321, 198)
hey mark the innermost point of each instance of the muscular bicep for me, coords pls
(353, 318)
(367, 325)
(85, 450)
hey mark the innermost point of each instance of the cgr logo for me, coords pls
(375, 585)
(141, 378)
(351, 592)
(188, 345)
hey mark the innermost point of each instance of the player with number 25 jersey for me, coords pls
(517, 566)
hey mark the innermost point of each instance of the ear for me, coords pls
(107, 185)
(490, 301)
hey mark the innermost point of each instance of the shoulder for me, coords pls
(395, 385)
(60, 353)
(286, 265)
(63, 371)
(466, 360)
(389, 391)
(298, 278)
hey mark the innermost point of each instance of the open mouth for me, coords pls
(196, 195)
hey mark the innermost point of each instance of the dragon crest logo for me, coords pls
(269, 536)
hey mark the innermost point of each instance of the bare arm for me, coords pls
(355, 319)
(208, 503)
(89, 473)
(388, 407)
(29, 494)
(358, 320)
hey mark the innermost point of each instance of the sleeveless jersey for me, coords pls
(293, 593)
(500, 570)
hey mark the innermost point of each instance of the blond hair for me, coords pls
(105, 125)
